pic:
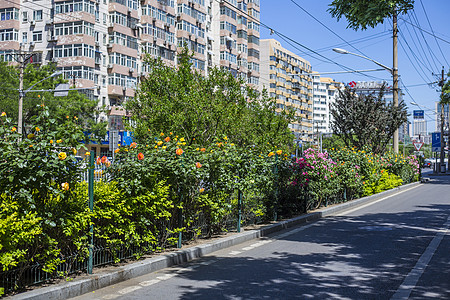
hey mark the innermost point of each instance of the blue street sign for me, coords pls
(435, 141)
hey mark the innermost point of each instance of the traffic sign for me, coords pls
(418, 145)
(435, 141)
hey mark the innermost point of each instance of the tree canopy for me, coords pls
(366, 120)
(362, 14)
(74, 105)
(201, 108)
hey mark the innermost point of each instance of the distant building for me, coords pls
(288, 78)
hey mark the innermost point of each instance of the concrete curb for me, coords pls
(81, 286)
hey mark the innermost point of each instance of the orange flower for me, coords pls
(104, 159)
(65, 186)
(161, 134)
(203, 149)
(117, 150)
(140, 156)
(37, 129)
(98, 161)
(179, 151)
(74, 151)
(279, 152)
(198, 165)
(201, 190)
(13, 129)
(167, 139)
(159, 143)
(51, 141)
(270, 154)
(133, 145)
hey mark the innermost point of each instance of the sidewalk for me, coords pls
(102, 279)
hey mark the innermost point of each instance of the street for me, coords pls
(393, 248)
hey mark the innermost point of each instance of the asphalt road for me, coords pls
(394, 248)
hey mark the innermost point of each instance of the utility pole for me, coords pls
(395, 74)
(22, 59)
(441, 160)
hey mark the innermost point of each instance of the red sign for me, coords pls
(418, 145)
(352, 84)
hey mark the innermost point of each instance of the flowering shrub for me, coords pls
(38, 176)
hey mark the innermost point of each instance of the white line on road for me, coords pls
(235, 252)
(129, 289)
(405, 289)
(371, 203)
(149, 282)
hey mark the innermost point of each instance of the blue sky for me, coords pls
(420, 55)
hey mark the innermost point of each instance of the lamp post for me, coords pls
(394, 73)
(23, 93)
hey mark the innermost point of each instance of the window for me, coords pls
(253, 39)
(9, 14)
(37, 36)
(224, 25)
(9, 35)
(254, 53)
(242, 34)
(74, 50)
(24, 37)
(224, 10)
(80, 27)
(25, 16)
(37, 15)
(242, 20)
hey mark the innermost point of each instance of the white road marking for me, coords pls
(371, 203)
(405, 289)
(166, 276)
(129, 289)
(235, 252)
(110, 296)
(149, 282)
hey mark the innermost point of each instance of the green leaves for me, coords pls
(362, 14)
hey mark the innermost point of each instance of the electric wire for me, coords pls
(429, 24)
(434, 35)
(425, 40)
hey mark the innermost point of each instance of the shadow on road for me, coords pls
(363, 257)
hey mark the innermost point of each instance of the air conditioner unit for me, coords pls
(108, 45)
(131, 70)
(109, 66)
(110, 24)
(97, 44)
(124, 88)
(134, 26)
(31, 43)
(154, 38)
(49, 22)
(32, 23)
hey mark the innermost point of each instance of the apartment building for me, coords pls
(288, 78)
(99, 44)
(325, 92)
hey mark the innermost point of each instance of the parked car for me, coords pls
(427, 163)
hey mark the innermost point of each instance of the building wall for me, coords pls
(288, 78)
(100, 44)
(325, 93)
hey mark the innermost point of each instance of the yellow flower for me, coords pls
(51, 141)
(3, 114)
(65, 186)
(279, 152)
(59, 141)
(74, 151)
(201, 190)
(197, 149)
(270, 154)
(87, 153)
(164, 147)
(62, 155)
(170, 133)
(232, 144)
(159, 143)
(156, 147)
(161, 134)
(181, 139)
(67, 117)
(225, 138)
(38, 129)
(183, 144)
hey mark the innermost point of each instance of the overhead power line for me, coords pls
(406, 21)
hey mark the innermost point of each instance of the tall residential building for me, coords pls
(99, 44)
(287, 77)
(325, 92)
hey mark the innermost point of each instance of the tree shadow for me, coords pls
(362, 257)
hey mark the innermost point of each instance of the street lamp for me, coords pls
(394, 73)
(22, 94)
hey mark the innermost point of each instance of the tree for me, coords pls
(361, 14)
(201, 108)
(74, 105)
(366, 120)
